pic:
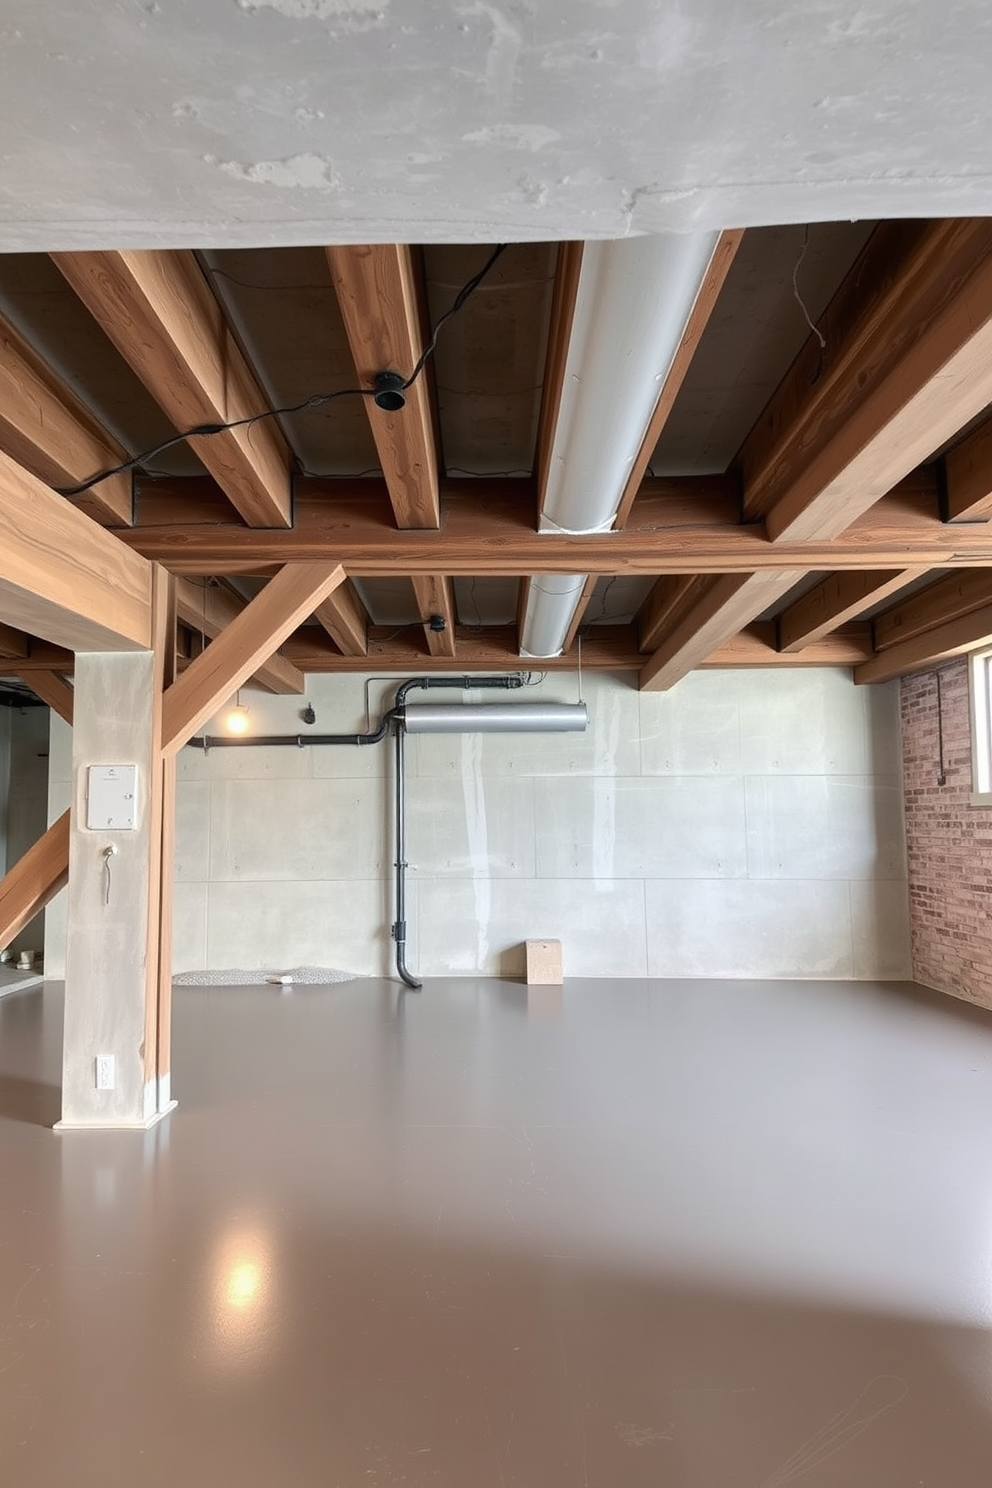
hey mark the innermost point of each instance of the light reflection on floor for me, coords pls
(683, 1234)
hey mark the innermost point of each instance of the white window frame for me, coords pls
(980, 687)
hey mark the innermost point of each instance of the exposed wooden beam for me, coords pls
(237, 653)
(34, 880)
(40, 658)
(64, 578)
(948, 599)
(13, 643)
(210, 609)
(159, 312)
(676, 526)
(963, 633)
(45, 428)
(579, 614)
(53, 690)
(705, 303)
(566, 288)
(607, 648)
(435, 595)
(968, 473)
(907, 362)
(756, 647)
(671, 596)
(727, 605)
(380, 300)
(345, 619)
(838, 598)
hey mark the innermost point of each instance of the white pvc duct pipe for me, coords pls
(495, 718)
(634, 300)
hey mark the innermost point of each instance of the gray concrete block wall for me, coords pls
(744, 824)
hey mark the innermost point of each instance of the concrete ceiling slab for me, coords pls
(213, 123)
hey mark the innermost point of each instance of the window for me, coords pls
(980, 672)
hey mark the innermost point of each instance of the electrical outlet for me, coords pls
(106, 1072)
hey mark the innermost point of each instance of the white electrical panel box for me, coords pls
(110, 798)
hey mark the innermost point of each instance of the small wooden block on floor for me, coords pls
(544, 963)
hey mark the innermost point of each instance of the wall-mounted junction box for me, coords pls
(110, 797)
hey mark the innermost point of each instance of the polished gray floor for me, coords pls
(670, 1234)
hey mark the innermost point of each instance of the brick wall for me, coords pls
(949, 841)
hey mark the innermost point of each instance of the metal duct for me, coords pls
(496, 718)
(634, 301)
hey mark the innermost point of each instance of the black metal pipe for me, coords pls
(463, 684)
(394, 716)
(298, 741)
(399, 924)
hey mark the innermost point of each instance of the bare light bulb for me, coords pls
(237, 720)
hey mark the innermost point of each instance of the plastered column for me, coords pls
(117, 962)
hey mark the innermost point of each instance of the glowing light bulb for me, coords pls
(236, 721)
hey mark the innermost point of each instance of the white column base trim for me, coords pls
(152, 1120)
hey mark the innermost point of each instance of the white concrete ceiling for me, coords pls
(250, 122)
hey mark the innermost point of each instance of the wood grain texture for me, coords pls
(968, 474)
(579, 613)
(62, 577)
(677, 526)
(161, 839)
(45, 428)
(671, 597)
(949, 598)
(964, 633)
(13, 643)
(607, 648)
(40, 658)
(435, 595)
(380, 300)
(703, 307)
(345, 619)
(209, 608)
(250, 639)
(839, 598)
(908, 361)
(34, 880)
(53, 690)
(567, 272)
(756, 647)
(725, 607)
(159, 312)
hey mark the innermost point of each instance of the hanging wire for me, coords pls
(315, 401)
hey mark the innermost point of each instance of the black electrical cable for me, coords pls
(316, 400)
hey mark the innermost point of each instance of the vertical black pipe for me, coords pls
(399, 925)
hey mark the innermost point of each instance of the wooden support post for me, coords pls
(117, 981)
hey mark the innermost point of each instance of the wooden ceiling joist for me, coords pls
(241, 648)
(948, 599)
(435, 595)
(963, 633)
(907, 361)
(345, 619)
(380, 299)
(756, 646)
(208, 609)
(157, 309)
(968, 475)
(726, 605)
(45, 428)
(836, 600)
